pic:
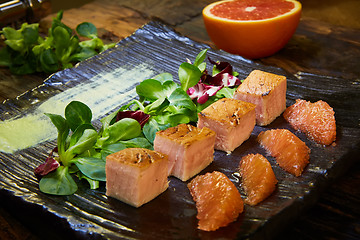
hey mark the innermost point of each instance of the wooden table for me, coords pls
(327, 42)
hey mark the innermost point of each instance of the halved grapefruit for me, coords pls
(252, 28)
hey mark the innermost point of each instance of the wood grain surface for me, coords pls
(327, 42)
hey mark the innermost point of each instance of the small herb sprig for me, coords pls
(27, 52)
(162, 103)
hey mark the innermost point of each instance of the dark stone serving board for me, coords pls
(89, 214)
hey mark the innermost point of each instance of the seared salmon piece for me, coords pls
(190, 149)
(136, 175)
(232, 120)
(218, 202)
(316, 120)
(290, 152)
(267, 91)
(258, 178)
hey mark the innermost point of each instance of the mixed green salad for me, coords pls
(161, 103)
(27, 52)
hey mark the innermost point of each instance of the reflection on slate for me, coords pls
(89, 214)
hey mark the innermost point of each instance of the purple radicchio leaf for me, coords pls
(224, 77)
(139, 116)
(209, 85)
(48, 166)
(222, 66)
(202, 92)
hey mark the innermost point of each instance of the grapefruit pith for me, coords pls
(252, 28)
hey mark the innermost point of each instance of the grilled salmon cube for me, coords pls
(232, 120)
(136, 175)
(267, 91)
(190, 149)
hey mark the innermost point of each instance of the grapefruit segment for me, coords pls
(290, 152)
(218, 201)
(316, 120)
(258, 178)
(253, 29)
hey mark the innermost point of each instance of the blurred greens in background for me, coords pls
(15, 12)
(337, 12)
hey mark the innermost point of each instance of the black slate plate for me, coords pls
(89, 214)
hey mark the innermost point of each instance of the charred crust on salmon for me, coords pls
(265, 93)
(185, 134)
(137, 156)
(235, 118)
(144, 157)
(151, 159)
